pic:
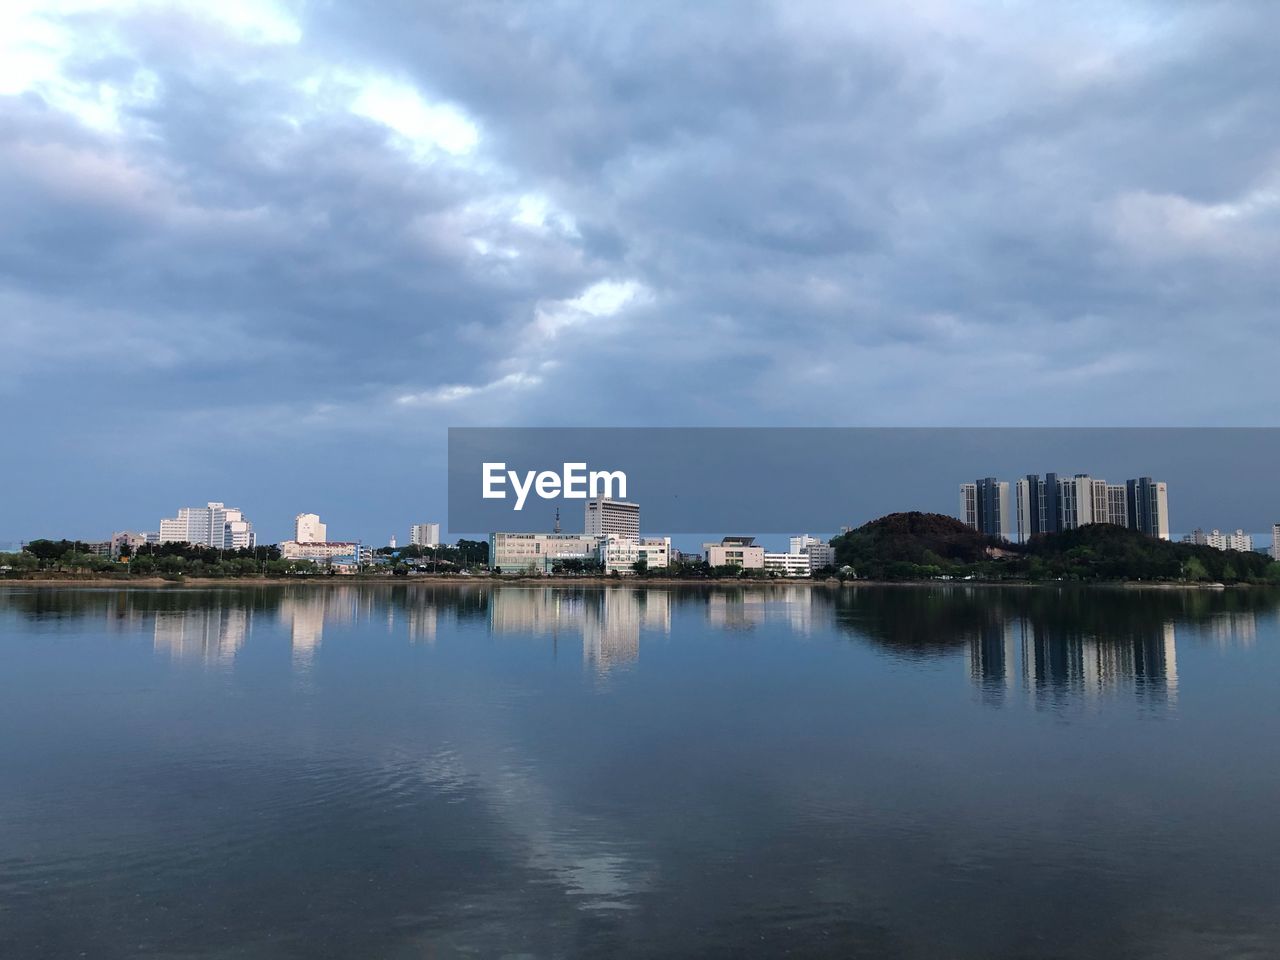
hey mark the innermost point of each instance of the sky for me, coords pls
(268, 253)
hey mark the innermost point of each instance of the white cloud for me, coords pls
(425, 127)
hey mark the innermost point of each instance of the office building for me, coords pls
(213, 525)
(820, 555)
(307, 528)
(734, 552)
(604, 516)
(538, 552)
(985, 506)
(1275, 541)
(1148, 506)
(425, 535)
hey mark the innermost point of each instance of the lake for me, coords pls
(418, 771)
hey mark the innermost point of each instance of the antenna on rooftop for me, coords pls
(557, 530)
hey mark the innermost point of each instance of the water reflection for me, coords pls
(1048, 646)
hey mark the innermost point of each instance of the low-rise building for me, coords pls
(128, 538)
(820, 555)
(322, 552)
(787, 564)
(741, 552)
(537, 552)
(621, 554)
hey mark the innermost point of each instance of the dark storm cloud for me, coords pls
(330, 230)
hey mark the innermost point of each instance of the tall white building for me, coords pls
(800, 542)
(213, 525)
(425, 534)
(307, 528)
(604, 516)
(1275, 541)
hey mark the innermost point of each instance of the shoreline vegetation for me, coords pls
(899, 549)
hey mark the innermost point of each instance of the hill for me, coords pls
(892, 545)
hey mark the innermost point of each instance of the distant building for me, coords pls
(820, 555)
(392, 542)
(621, 554)
(1275, 541)
(798, 543)
(1056, 503)
(1148, 506)
(603, 516)
(213, 525)
(734, 552)
(425, 535)
(127, 538)
(787, 564)
(320, 552)
(537, 552)
(307, 528)
(1221, 541)
(985, 506)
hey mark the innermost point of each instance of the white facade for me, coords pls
(1239, 540)
(425, 534)
(820, 555)
(603, 517)
(128, 538)
(318, 551)
(307, 528)
(799, 543)
(213, 525)
(734, 552)
(787, 564)
(1275, 541)
(621, 554)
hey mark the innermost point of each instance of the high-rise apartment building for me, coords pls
(1148, 506)
(604, 516)
(307, 528)
(1055, 503)
(1221, 540)
(985, 506)
(213, 525)
(1275, 541)
(425, 534)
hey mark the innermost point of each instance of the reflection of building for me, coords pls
(736, 608)
(603, 516)
(1061, 663)
(212, 634)
(992, 657)
(1233, 629)
(609, 621)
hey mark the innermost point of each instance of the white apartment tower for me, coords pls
(425, 534)
(307, 528)
(604, 516)
(1275, 541)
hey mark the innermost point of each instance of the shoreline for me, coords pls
(188, 583)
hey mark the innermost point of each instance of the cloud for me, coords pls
(764, 213)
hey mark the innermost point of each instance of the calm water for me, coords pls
(431, 772)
